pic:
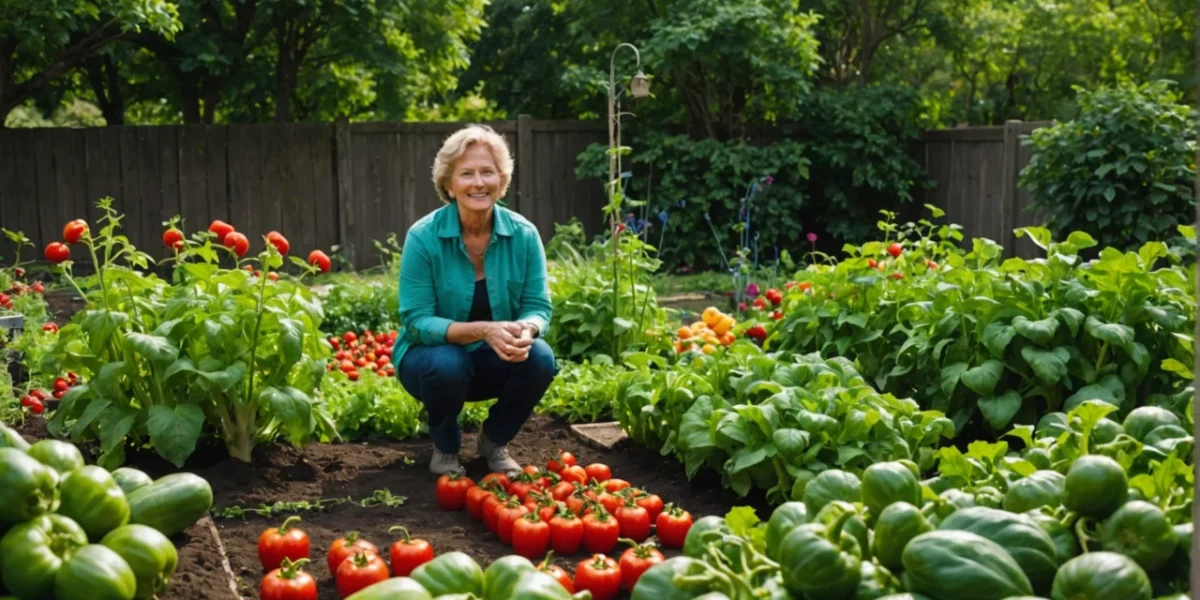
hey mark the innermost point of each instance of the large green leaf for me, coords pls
(1109, 389)
(291, 340)
(1049, 365)
(996, 336)
(1039, 332)
(174, 430)
(999, 410)
(293, 409)
(1117, 334)
(790, 442)
(155, 348)
(983, 379)
(950, 375)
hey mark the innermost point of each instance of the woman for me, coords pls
(473, 304)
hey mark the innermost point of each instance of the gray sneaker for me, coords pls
(443, 463)
(497, 457)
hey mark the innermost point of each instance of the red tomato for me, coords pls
(615, 485)
(559, 574)
(634, 521)
(522, 486)
(574, 473)
(173, 238)
(638, 560)
(491, 507)
(506, 516)
(530, 536)
(74, 230)
(320, 260)
(566, 532)
(352, 375)
(57, 252)
(452, 491)
(220, 229)
(600, 532)
(872, 263)
(281, 244)
(278, 543)
(38, 393)
(475, 497)
(599, 575)
(361, 570)
(288, 583)
(345, 547)
(60, 384)
(610, 502)
(672, 526)
(500, 478)
(50, 327)
(897, 275)
(237, 242)
(562, 490)
(560, 462)
(597, 471)
(652, 503)
(38, 288)
(349, 336)
(33, 404)
(409, 553)
(895, 249)
(346, 365)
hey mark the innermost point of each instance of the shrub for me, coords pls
(1122, 170)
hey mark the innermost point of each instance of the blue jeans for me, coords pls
(444, 377)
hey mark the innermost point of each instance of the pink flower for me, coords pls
(812, 238)
(752, 290)
(742, 306)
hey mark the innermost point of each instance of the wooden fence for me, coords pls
(321, 185)
(976, 170)
(348, 185)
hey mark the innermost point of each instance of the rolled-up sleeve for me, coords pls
(418, 302)
(535, 297)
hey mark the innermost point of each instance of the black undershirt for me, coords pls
(481, 307)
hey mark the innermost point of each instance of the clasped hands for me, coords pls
(511, 340)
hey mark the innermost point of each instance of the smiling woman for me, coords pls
(474, 303)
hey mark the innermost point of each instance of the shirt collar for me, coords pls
(449, 226)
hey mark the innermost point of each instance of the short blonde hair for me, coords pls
(457, 144)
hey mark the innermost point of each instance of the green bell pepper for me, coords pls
(536, 585)
(875, 582)
(822, 563)
(830, 485)
(1096, 485)
(666, 581)
(130, 479)
(60, 456)
(395, 588)
(150, 555)
(92, 498)
(33, 552)
(854, 525)
(27, 487)
(1139, 530)
(1102, 576)
(1020, 536)
(1040, 488)
(896, 526)
(786, 517)
(888, 482)
(989, 497)
(1066, 545)
(952, 500)
(699, 534)
(503, 574)
(95, 572)
(961, 565)
(9, 438)
(450, 573)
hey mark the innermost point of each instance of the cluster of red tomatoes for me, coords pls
(372, 351)
(35, 400)
(355, 562)
(19, 289)
(566, 508)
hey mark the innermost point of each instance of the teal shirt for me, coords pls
(437, 279)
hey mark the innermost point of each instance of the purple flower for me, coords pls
(768, 180)
(752, 290)
(812, 238)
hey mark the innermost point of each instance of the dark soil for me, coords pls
(356, 471)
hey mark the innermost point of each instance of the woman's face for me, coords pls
(475, 179)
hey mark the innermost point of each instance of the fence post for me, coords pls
(1012, 149)
(344, 173)
(525, 169)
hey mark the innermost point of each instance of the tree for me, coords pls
(852, 32)
(42, 41)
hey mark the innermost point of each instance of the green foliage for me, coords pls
(771, 420)
(354, 303)
(1123, 170)
(858, 141)
(698, 181)
(373, 405)
(999, 342)
(582, 392)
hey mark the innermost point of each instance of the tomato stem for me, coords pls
(287, 523)
(407, 536)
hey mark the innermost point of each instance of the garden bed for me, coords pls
(356, 471)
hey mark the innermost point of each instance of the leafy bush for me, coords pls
(584, 324)
(998, 343)
(582, 392)
(356, 303)
(1122, 171)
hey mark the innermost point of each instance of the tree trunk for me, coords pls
(189, 103)
(103, 77)
(286, 72)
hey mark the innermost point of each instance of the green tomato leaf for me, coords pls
(983, 379)
(174, 430)
(1039, 332)
(292, 408)
(950, 376)
(155, 348)
(1109, 389)
(115, 424)
(291, 340)
(951, 462)
(790, 442)
(1175, 367)
(1049, 365)
(996, 336)
(1071, 317)
(999, 410)
(1116, 334)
